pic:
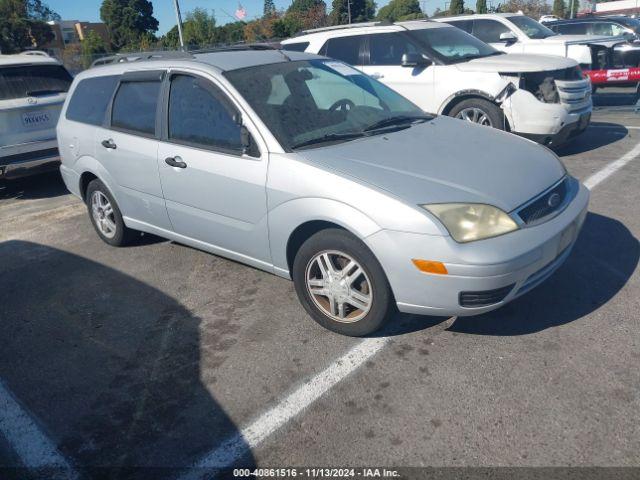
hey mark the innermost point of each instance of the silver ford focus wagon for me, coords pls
(304, 167)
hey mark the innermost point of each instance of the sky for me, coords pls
(89, 10)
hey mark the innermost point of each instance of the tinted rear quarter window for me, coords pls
(570, 28)
(91, 98)
(346, 49)
(22, 81)
(296, 47)
(466, 25)
(134, 107)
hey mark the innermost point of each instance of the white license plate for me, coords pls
(36, 119)
(566, 237)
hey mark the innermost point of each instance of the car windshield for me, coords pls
(32, 81)
(451, 45)
(632, 23)
(314, 102)
(531, 28)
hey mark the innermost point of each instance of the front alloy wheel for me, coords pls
(339, 286)
(475, 115)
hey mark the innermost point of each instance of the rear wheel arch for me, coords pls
(85, 179)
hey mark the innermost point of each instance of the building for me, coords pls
(620, 7)
(72, 32)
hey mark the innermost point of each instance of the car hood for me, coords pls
(445, 160)
(517, 62)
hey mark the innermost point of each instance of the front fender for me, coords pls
(288, 216)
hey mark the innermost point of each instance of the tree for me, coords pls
(481, 6)
(573, 11)
(199, 28)
(531, 8)
(90, 47)
(397, 9)
(269, 8)
(22, 24)
(128, 20)
(456, 7)
(361, 11)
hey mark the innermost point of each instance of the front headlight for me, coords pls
(467, 222)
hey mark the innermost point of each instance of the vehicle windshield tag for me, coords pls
(342, 69)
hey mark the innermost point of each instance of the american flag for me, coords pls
(240, 12)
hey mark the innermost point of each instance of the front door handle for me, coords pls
(377, 75)
(109, 144)
(175, 162)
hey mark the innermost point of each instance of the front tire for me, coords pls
(480, 111)
(341, 284)
(105, 215)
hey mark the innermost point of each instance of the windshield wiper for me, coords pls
(397, 120)
(35, 93)
(330, 137)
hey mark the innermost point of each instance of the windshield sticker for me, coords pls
(342, 69)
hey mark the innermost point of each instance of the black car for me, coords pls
(626, 53)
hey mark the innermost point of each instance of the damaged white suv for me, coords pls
(445, 70)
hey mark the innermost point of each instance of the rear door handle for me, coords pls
(109, 144)
(175, 162)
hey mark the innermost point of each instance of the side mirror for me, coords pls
(415, 60)
(629, 37)
(508, 37)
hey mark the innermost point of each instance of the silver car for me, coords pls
(306, 168)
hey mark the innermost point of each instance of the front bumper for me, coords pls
(520, 260)
(566, 133)
(29, 159)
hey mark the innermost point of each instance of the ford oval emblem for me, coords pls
(554, 200)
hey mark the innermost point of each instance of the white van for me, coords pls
(447, 71)
(33, 87)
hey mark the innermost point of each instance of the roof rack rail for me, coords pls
(348, 25)
(36, 53)
(139, 57)
(236, 47)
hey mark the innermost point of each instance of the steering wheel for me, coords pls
(342, 104)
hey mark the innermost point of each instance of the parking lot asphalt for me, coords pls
(157, 354)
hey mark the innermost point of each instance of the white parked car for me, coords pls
(33, 87)
(447, 71)
(548, 18)
(516, 33)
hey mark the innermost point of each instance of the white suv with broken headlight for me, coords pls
(33, 87)
(445, 70)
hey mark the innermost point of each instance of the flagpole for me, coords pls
(179, 18)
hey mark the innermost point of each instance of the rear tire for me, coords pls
(479, 111)
(341, 284)
(106, 217)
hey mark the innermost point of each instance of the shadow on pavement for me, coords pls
(604, 258)
(46, 185)
(599, 134)
(620, 97)
(108, 366)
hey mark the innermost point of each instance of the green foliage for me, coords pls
(531, 8)
(456, 7)
(559, 8)
(575, 6)
(22, 24)
(199, 27)
(269, 8)
(361, 11)
(398, 9)
(90, 47)
(128, 20)
(481, 6)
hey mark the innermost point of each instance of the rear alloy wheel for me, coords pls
(341, 284)
(106, 217)
(482, 112)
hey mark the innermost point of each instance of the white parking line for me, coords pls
(234, 448)
(27, 440)
(611, 168)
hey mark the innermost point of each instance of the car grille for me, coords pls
(484, 298)
(548, 203)
(576, 94)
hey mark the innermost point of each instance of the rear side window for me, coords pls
(296, 47)
(570, 28)
(91, 98)
(388, 48)
(33, 80)
(489, 31)
(346, 49)
(466, 25)
(134, 107)
(200, 114)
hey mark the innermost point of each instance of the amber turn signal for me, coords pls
(430, 266)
